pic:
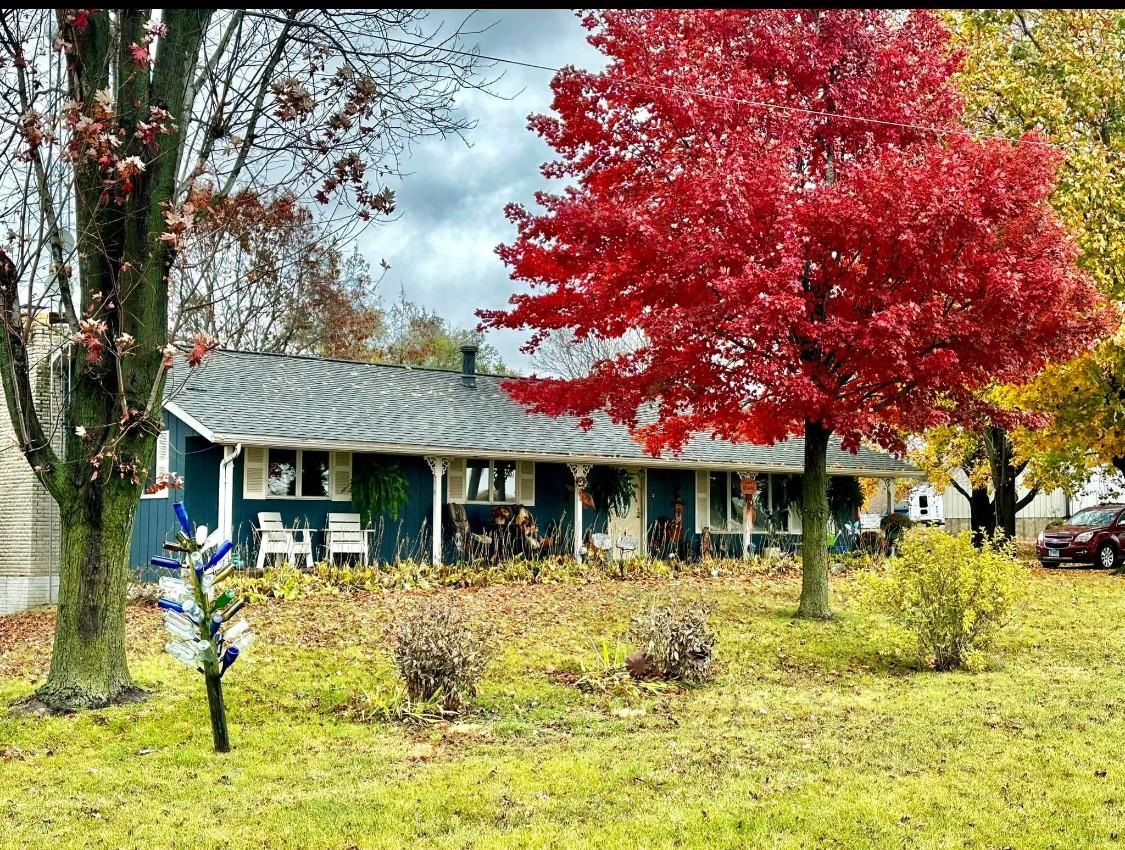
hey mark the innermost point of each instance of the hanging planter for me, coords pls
(611, 488)
(378, 485)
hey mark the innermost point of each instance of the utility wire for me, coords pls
(946, 131)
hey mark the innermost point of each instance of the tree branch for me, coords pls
(15, 372)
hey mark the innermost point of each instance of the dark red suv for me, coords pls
(1092, 536)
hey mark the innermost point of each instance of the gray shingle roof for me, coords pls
(270, 399)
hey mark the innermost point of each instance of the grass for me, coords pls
(812, 735)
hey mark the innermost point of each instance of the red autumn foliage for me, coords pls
(203, 346)
(788, 267)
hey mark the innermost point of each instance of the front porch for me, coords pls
(486, 508)
(456, 509)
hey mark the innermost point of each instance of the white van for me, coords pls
(926, 506)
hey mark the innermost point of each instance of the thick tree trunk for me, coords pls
(982, 515)
(1006, 505)
(88, 666)
(814, 523)
(1004, 475)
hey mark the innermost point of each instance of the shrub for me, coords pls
(895, 526)
(440, 654)
(871, 543)
(952, 597)
(676, 643)
(285, 582)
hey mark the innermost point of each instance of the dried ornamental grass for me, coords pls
(440, 654)
(675, 643)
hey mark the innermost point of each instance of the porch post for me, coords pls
(579, 471)
(437, 467)
(748, 484)
(226, 490)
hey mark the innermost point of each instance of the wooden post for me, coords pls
(579, 471)
(437, 467)
(748, 483)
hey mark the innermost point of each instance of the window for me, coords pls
(157, 468)
(490, 481)
(721, 506)
(727, 502)
(316, 475)
(298, 474)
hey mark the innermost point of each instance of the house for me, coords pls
(30, 532)
(254, 433)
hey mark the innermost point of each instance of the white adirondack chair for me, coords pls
(345, 536)
(275, 539)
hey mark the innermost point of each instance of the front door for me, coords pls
(628, 532)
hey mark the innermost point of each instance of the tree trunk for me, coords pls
(1004, 474)
(814, 522)
(88, 666)
(982, 515)
(1006, 505)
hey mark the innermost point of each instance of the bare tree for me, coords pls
(123, 132)
(258, 282)
(563, 355)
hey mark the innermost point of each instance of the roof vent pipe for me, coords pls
(469, 365)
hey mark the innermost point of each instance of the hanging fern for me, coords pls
(845, 498)
(378, 485)
(611, 489)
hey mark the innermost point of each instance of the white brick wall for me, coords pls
(29, 518)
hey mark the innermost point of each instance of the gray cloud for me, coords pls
(442, 247)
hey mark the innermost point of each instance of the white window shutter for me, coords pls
(702, 500)
(162, 453)
(455, 480)
(160, 466)
(341, 476)
(525, 482)
(254, 472)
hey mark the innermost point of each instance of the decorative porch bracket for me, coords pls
(437, 465)
(579, 471)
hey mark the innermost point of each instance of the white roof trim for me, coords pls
(547, 457)
(191, 422)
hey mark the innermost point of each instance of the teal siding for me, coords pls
(408, 535)
(155, 521)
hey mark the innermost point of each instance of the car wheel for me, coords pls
(1107, 556)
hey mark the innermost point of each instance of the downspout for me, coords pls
(226, 489)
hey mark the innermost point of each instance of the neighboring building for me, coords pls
(1036, 515)
(29, 517)
(257, 433)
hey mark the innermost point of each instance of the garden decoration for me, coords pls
(198, 617)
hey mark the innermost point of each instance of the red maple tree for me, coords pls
(763, 194)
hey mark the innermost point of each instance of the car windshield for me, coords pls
(1094, 516)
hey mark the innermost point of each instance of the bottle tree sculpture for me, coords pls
(199, 616)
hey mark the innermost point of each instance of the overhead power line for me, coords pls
(781, 107)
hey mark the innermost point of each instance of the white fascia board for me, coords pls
(542, 457)
(191, 422)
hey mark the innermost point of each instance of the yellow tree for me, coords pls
(1061, 72)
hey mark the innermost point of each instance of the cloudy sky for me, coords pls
(441, 249)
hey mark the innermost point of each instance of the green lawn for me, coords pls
(813, 735)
